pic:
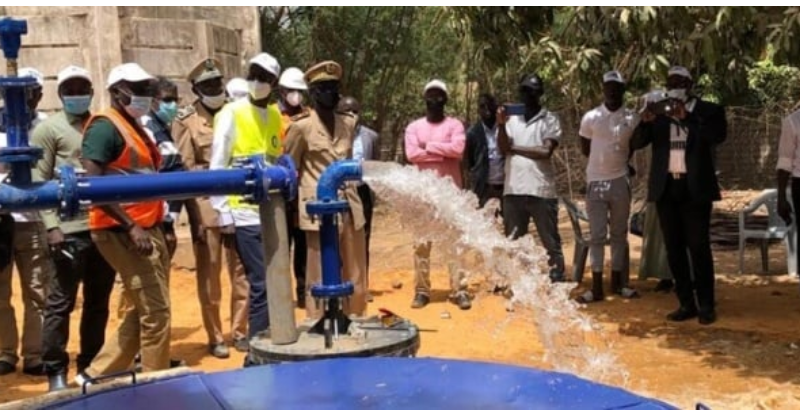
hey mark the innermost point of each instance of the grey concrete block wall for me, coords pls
(166, 41)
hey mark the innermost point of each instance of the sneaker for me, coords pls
(82, 379)
(420, 301)
(241, 345)
(7, 368)
(219, 350)
(462, 300)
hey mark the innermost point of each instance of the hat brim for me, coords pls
(73, 77)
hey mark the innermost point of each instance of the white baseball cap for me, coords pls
(130, 72)
(613, 77)
(435, 84)
(32, 72)
(71, 72)
(679, 71)
(267, 62)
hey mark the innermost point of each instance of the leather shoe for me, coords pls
(35, 370)
(7, 368)
(682, 314)
(707, 317)
(57, 382)
(420, 300)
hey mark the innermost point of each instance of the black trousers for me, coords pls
(250, 248)
(89, 266)
(300, 252)
(368, 202)
(796, 205)
(686, 224)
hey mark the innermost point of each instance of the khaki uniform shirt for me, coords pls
(193, 132)
(313, 149)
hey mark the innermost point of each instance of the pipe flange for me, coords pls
(332, 291)
(21, 154)
(68, 184)
(290, 187)
(327, 207)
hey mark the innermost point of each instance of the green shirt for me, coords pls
(60, 138)
(102, 142)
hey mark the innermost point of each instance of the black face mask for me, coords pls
(327, 98)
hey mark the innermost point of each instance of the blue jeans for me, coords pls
(251, 252)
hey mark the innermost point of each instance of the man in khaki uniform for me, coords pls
(193, 132)
(315, 140)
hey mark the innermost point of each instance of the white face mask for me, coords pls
(259, 90)
(294, 99)
(138, 106)
(213, 102)
(678, 94)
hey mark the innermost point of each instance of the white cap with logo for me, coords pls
(73, 72)
(130, 72)
(613, 77)
(679, 71)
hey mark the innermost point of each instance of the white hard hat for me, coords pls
(292, 78)
(237, 86)
(130, 72)
(267, 62)
(32, 72)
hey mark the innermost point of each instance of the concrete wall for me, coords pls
(166, 41)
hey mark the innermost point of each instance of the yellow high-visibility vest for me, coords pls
(255, 135)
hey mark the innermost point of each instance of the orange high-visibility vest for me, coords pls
(140, 156)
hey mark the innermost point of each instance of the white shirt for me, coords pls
(677, 140)
(221, 149)
(789, 145)
(25, 216)
(523, 175)
(497, 163)
(610, 134)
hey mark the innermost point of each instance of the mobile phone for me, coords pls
(515, 109)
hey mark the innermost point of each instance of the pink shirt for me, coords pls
(444, 146)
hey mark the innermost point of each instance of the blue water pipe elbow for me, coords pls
(326, 206)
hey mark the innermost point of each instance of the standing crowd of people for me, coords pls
(508, 155)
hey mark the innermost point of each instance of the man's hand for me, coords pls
(785, 210)
(502, 118)
(228, 235)
(141, 240)
(55, 239)
(679, 110)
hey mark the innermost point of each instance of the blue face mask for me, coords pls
(167, 111)
(77, 105)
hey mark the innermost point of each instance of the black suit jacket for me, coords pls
(477, 159)
(707, 127)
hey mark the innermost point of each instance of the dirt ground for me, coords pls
(748, 359)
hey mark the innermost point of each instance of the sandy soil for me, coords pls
(748, 359)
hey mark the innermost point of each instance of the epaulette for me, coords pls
(346, 113)
(185, 112)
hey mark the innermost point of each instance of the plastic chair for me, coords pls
(776, 230)
(578, 218)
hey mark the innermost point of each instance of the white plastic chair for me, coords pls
(776, 230)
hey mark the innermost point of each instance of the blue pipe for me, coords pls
(16, 116)
(253, 180)
(327, 206)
